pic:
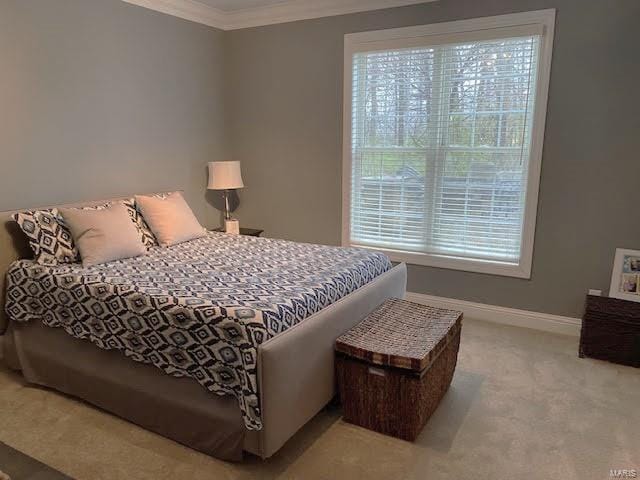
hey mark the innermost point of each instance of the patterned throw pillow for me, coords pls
(148, 238)
(49, 237)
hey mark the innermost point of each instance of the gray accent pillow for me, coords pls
(170, 218)
(105, 234)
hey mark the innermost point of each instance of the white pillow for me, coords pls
(103, 235)
(170, 218)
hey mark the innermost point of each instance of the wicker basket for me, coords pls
(395, 366)
(611, 330)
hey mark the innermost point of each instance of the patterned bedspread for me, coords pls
(199, 309)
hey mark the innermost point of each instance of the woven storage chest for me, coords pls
(396, 365)
(611, 330)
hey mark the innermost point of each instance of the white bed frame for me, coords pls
(296, 373)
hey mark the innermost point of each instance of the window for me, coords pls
(443, 140)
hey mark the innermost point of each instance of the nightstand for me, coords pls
(251, 232)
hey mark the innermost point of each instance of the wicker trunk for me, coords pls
(611, 330)
(394, 368)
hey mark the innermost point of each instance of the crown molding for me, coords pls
(285, 11)
(185, 9)
(293, 10)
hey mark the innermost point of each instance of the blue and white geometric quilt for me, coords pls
(199, 309)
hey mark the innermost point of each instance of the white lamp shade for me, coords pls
(225, 175)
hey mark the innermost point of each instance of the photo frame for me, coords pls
(625, 279)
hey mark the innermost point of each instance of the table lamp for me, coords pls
(226, 176)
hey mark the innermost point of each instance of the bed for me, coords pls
(287, 303)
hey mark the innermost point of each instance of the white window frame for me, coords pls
(540, 22)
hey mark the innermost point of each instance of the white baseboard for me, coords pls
(503, 315)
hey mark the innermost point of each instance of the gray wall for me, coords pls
(285, 94)
(101, 98)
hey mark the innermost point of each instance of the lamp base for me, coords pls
(232, 226)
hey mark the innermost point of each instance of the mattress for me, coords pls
(198, 309)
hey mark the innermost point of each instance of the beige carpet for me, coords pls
(522, 406)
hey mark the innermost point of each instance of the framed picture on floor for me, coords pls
(625, 280)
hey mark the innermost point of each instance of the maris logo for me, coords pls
(617, 473)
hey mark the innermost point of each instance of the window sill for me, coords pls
(454, 263)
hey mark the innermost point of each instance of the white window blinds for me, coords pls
(440, 147)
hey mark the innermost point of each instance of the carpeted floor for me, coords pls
(522, 405)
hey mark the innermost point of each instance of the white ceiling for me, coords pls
(235, 14)
(233, 5)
